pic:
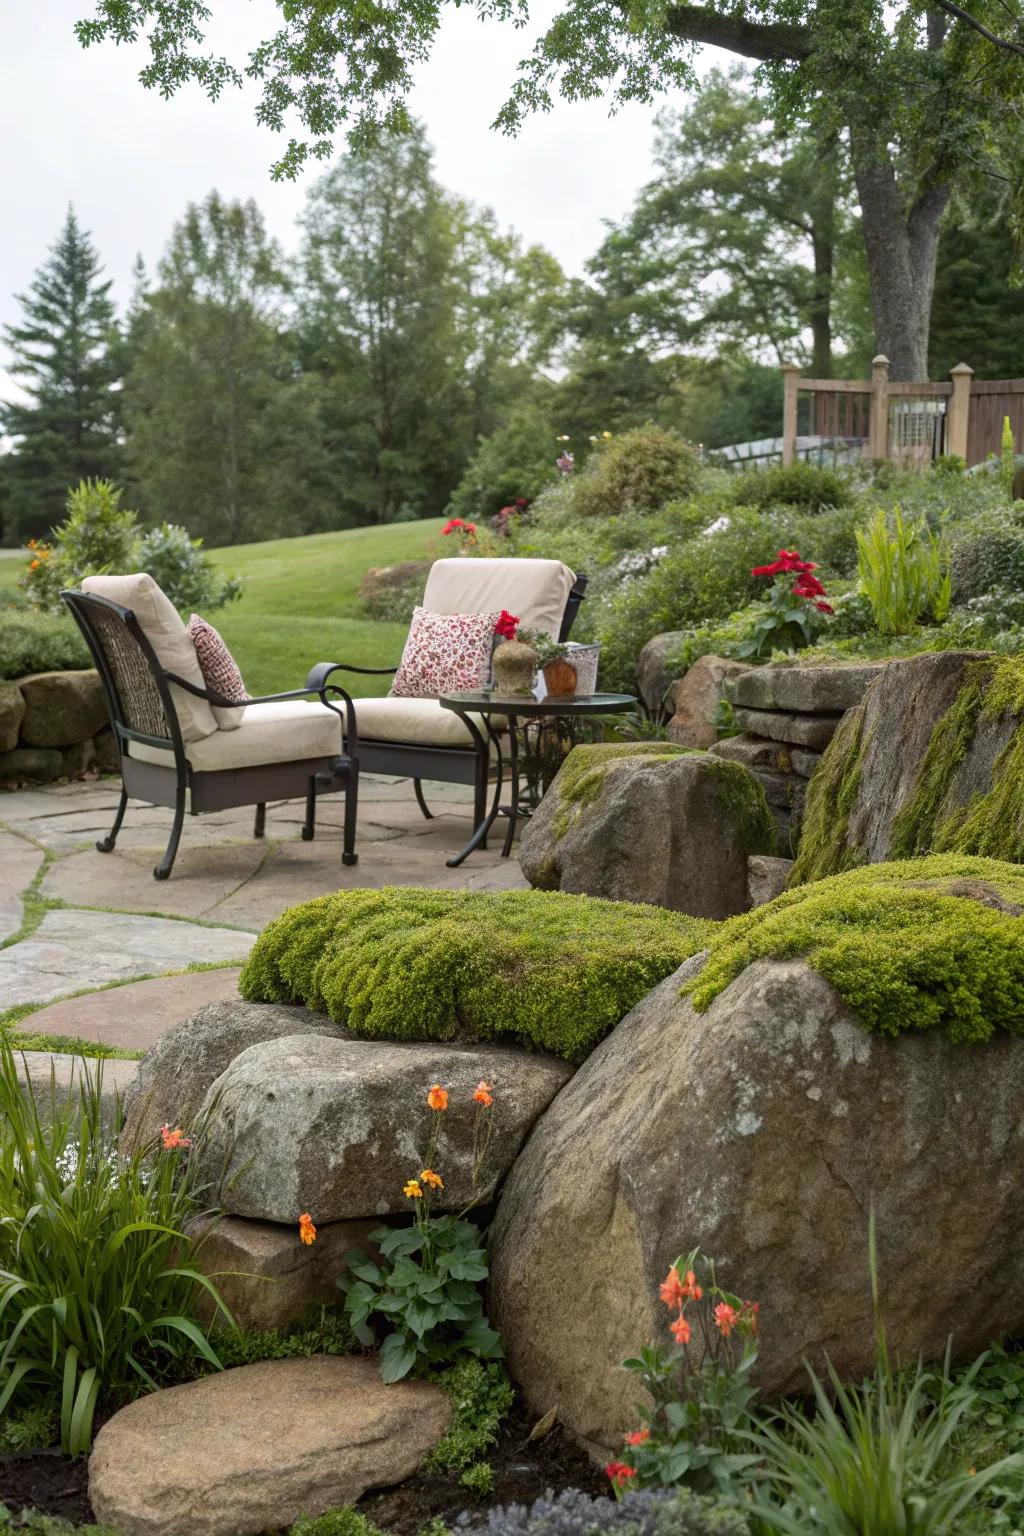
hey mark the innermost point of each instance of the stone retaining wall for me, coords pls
(54, 725)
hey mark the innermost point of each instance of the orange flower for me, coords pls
(619, 1472)
(638, 1437)
(437, 1098)
(412, 1190)
(680, 1330)
(33, 565)
(671, 1291)
(725, 1318)
(172, 1140)
(307, 1231)
(431, 1179)
(484, 1093)
(691, 1289)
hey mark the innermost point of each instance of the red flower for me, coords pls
(725, 1318)
(787, 560)
(808, 586)
(824, 607)
(453, 525)
(619, 1472)
(507, 625)
(671, 1289)
(691, 1290)
(680, 1330)
(638, 1437)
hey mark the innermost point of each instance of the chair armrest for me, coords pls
(213, 697)
(319, 674)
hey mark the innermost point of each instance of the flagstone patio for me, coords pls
(73, 920)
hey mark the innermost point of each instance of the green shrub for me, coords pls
(390, 593)
(552, 969)
(40, 642)
(31, 1523)
(795, 485)
(639, 471)
(903, 944)
(518, 460)
(184, 572)
(97, 1297)
(479, 1479)
(337, 1522)
(904, 571)
(987, 563)
(481, 1397)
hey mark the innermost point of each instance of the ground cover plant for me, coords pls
(928, 943)
(553, 970)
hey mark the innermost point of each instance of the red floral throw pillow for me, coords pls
(219, 669)
(445, 653)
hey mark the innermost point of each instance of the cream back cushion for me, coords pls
(162, 627)
(536, 591)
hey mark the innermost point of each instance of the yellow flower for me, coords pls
(412, 1190)
(606, 434)
(431, 1179)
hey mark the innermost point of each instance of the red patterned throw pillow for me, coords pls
(445, 653)
(219, 669)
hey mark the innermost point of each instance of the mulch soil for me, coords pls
(524, 1470)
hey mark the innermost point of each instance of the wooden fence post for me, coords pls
(959, 410)
(790, 384)
(878, 419)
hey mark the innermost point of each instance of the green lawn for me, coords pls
(300, 604)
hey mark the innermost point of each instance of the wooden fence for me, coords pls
(882, 418)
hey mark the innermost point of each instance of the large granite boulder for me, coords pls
(62, 708)
(175, 1074)
(762, 1130)
(254, 1449)
(695, 700)
(336, 1127)
(649, 823)
(12, 709)
(928, 761)
(655, 671)
(805, 690)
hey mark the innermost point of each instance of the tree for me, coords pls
(735, 241)
(220, 420)
(920, 92)
(422, 321)
(977, 318)
(66, 355)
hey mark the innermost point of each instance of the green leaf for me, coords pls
(397, 1357)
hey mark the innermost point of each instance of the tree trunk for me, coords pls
(902, 244)
(822, 213)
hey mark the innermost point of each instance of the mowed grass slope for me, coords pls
(300, 604)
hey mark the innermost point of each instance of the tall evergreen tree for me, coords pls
(66, 356)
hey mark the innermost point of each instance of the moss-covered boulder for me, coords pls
(931, 761)
(544, 969)
(759, 1104)
(650, 822)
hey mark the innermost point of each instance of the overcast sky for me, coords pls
(78, 127)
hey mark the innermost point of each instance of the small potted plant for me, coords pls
(515, 662)
(559, 672)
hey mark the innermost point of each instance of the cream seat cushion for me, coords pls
(288, 732)
(536, 591)
(422, 722)
(162, 627)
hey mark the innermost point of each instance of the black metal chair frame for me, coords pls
(416, 761)
(153, 721)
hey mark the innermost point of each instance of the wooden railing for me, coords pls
(867, 413)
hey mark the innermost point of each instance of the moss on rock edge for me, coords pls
(928, 943)
(550, 970)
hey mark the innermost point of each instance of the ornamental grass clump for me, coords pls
(542, 968)
(97, 1295)
(930, 943)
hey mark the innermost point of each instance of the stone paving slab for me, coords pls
(72, 949)
(19, 865)
(135, 1015)
(54, 1078)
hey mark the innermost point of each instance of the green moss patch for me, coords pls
(824, 846)
(581, 777)
(929, 943)
(540, 967)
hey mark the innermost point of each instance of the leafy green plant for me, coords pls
(39, 642)
(31, 1429)
(904, 571)
(479, 1478)
(481, 1396)
(639, 470)
(97, 1296)
(1007, 456)
(100, 537)
(337, 1522)
(793, 485)
(32, 1523)
(699, 1395)
(426, 1286)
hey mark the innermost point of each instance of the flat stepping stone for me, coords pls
(72, 949)
(253, 1449)
(20, 862)
(133, 1017)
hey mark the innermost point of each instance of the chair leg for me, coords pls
(106, 844)
(480, 792)
(417, 785)
(349, 855)
(163, 869)
(309, 825)
(259, 826)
